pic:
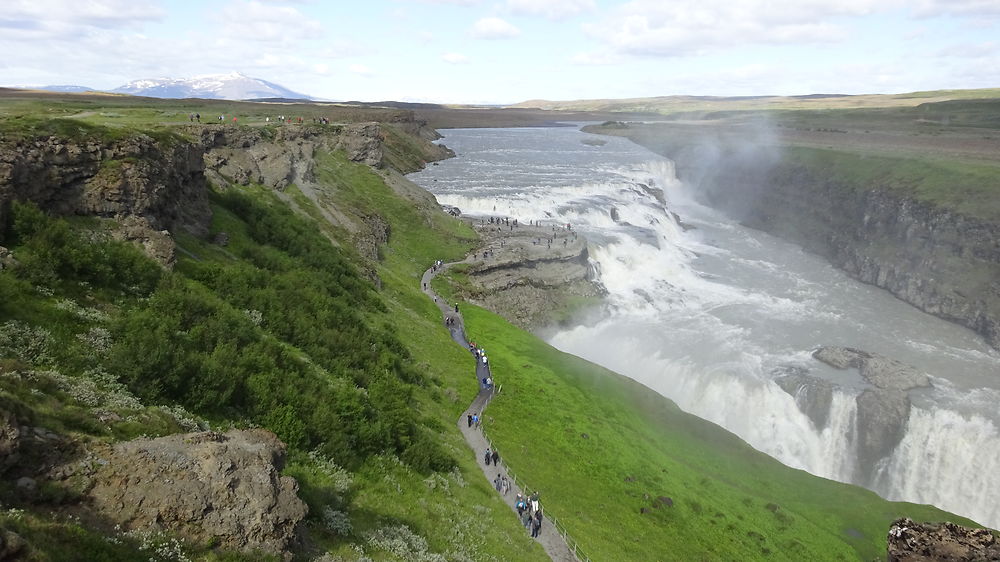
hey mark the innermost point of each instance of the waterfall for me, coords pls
(714, 316)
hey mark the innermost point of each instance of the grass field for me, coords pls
(600, 448)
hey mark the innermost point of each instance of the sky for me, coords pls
(506, 51)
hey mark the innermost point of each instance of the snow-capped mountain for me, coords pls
(233, 86)
(70, 88)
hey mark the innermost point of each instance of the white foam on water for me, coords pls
(705, 317)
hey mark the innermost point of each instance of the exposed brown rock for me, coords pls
(203, 486)
(926, 542)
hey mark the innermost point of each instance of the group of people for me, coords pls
(528, 509)
(530, 513)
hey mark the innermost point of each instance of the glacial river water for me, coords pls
(710, 316)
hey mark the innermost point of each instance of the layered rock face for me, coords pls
(225, 488)
(528, 281)
(921, 542)
(943, 263)
(152, 187)
(247, 155)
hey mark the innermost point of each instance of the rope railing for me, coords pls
(572, 544)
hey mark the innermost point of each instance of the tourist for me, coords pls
(469, 417)
(488, 456)
(536, 527)
(496, 459)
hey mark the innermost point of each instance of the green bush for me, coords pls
(50, 252)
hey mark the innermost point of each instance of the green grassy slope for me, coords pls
(601, 447)
(279, 328)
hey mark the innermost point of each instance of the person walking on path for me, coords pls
(487, 457)
(536, 526)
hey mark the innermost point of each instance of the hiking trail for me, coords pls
(551, 539)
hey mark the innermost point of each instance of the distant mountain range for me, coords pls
(66, 88)
(232, 86)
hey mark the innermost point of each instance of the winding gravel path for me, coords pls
(553, 543)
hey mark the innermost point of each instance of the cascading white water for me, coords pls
(711, 317)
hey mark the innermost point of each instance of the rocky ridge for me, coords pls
(151, 188)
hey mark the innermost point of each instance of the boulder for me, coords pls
(12, 546)
(206, 486)
(909, 541)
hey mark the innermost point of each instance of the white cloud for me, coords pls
(971, 50)
(361, 70)
(652, 27)
(551, 9)
(454, 58)
(452, 2)
(596, 59)
(493, 28)
(257, 21)
(70, 19)
(961, 8)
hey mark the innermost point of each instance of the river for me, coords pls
(711, 316)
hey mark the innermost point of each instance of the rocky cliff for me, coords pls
(942, 261)
(150, 186)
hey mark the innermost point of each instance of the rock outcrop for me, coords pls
(932, 542)
(942, 262)
(813, 395)
(880, 371)
(527, 280)
(276, 158)
(884, 410)
(156, 184)
(224, 488)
